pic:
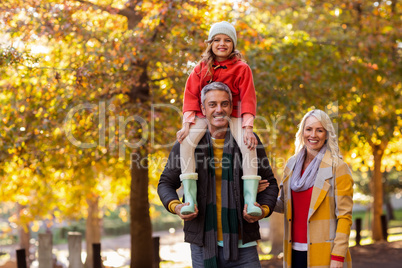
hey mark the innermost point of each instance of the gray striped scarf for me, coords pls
(300, 183)
(230, 225)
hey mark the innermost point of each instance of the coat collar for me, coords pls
(290, 165)
(325, 169)
(226, 62)
(321, 184)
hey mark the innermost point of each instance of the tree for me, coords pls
(117, 72)
(127, 55)
(370, 77)
(329, 56)
(362, 162)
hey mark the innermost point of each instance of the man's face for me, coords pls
(217, 107)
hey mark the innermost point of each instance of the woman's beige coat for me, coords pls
(330, 213)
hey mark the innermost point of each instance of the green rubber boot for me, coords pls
(189, 182)
(250, 187)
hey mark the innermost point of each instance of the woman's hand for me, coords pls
(182, 133)
(263, 184)
(249, 138)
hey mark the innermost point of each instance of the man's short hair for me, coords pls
(215, 86)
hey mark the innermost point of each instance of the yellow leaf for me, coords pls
(35, 226)
(57, 131)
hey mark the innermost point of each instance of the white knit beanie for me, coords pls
(223, 27)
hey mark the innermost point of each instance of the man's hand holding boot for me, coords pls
(188, 217)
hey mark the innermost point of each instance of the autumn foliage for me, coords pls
(91, 93)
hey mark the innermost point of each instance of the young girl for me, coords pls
(221, 62)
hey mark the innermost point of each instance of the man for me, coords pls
(220, 231)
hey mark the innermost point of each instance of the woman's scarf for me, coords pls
(300, 183)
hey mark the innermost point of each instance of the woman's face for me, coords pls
(222, 46)
(314, 134)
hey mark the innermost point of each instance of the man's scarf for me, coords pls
(230, 224)
(300, 183)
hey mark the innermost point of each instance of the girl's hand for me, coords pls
(263, 184)
(182, 133)
(249, 138)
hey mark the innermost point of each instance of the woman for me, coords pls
(316, 198)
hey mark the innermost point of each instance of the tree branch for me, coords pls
(162, 17)
(107, 9)
(129, 12)
(162, 78)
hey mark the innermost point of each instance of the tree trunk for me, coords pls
(24, 234)
(377, 192)
(93, 228)
(140, 227)
(140, 224)
(276, 230)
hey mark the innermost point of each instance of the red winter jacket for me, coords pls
(236, 74)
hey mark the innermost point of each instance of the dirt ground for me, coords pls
(382, 254)
(379, 255)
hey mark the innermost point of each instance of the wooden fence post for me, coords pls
(74, 249)
(45, 254)
(156, 251)
(21, 258)
(384, 226)
(358, 222)
(96, 249)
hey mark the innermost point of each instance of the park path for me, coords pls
(116, 252)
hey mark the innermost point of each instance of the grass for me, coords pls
(367, 216)
(394, 227)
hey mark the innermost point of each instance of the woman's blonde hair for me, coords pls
(208, 57)
(331, 140)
